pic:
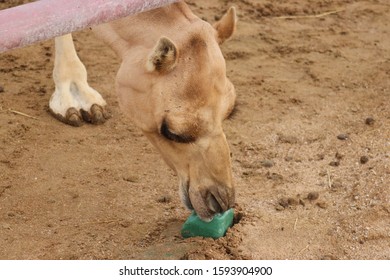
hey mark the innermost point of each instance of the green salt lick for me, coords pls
(216, 228)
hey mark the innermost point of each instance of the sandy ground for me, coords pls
(310, 144)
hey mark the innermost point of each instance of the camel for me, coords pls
(172, 84)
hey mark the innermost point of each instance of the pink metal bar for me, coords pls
(41, 20)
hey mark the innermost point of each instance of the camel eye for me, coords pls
(174, 137)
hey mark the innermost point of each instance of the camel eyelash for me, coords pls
(164, 130)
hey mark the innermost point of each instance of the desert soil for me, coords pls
(310, 145)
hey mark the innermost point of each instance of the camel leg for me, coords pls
(73, 100)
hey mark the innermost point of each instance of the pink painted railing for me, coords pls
(41, 20)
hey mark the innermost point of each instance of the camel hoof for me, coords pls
(96, 115)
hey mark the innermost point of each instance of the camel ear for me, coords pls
(163, 58)
(226, 25)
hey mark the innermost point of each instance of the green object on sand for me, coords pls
(216, 228)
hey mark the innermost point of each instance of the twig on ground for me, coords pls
(295, 224)
(302, 250)
(311, 16)
(22, 114)
(329, 180)
(103, 222)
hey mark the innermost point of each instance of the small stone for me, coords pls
(336, 184)
(267, 163)
(1, 89)
(125, 223)
(288, 158)
(75, 195)
(42, 91)
(51, 201)
(292, 201)
(164, 199)
(274, 176)
(283, 202)
(369, 121)
(321, 204)
(313, 196)
(6, 226)
(338, 156)
(328, 257)
(319, 157)
(131, 178)
(288, 139)
(342, 136)
(363, 159)
(334, 163)
(279, 207)
(323, 173)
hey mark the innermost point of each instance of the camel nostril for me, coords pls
(213, 204)
(208, 201)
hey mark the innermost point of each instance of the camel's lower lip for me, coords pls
(184, 194)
